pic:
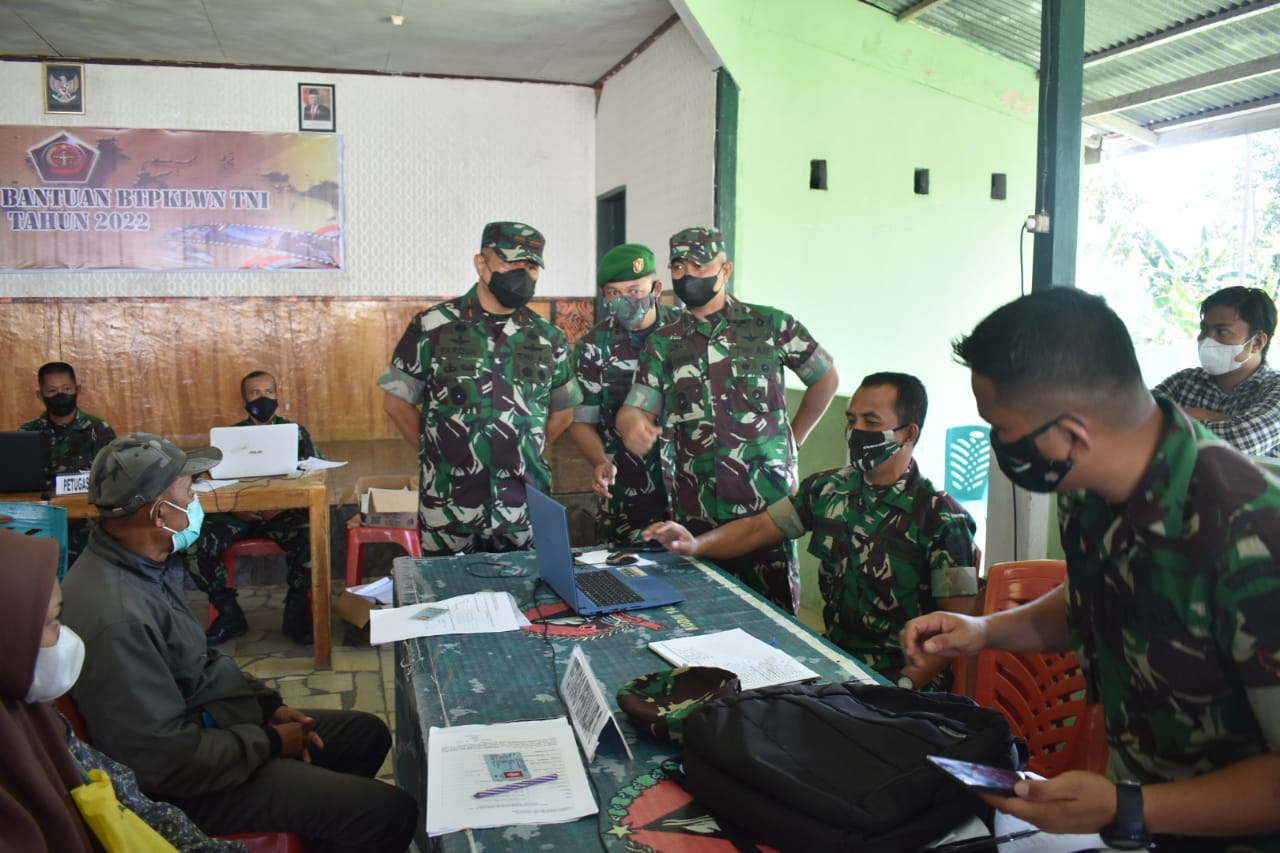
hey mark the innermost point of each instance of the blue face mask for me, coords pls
(184, 539)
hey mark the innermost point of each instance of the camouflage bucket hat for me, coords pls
(699, 245)
(514, 241)
(135, 469)
(660, 702)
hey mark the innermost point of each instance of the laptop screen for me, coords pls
(552, 552)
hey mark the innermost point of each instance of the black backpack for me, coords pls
(841, 766)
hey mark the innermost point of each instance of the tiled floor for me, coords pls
(362, 678)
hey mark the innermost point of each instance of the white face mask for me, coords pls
(1217, 359)
(57, 667)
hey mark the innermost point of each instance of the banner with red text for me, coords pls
(81, 198)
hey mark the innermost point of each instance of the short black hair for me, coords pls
(1254, 305)
(1059, 341)
(911, 403)
(53, 367)
(252, 375)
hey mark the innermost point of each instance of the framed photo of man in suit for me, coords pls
(63, 87)
(317, 110)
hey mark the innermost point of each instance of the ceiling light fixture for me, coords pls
(396, 20)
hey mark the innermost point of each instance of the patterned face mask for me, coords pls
(1024, 464)
(630, 311)
(870, 448)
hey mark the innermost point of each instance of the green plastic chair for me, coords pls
(38, 520)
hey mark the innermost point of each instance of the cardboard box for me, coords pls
(354, 611)
(392, 508)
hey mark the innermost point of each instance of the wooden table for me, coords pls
(309, 492)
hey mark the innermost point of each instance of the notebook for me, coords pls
(22, 462)
(269, 450)
(588, 592)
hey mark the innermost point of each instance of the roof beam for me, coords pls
(1186, 86)
(1199, 25)
(1216, 115)
(1115, 124)
(915, 10)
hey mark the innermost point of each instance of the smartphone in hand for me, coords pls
(980, 777)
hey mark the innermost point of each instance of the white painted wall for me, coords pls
(426, 162)
(655, 135)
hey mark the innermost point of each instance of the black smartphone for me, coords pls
(980, 777)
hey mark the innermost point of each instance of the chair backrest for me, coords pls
(1043, 695)
(38, 520)
(968, 462)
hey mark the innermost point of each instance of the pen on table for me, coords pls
(516, 786)
(773, 641)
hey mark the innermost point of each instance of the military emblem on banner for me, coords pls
(63, 159)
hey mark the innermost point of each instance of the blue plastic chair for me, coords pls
(968, 462)
(38, 520)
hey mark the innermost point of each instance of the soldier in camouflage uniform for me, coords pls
(631, 488)
(476, 384)
(891, 546)
(71, 437)
(714, 378)
(288, 528)
(1172, 542)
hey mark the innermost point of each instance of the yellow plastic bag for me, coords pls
(118, 828)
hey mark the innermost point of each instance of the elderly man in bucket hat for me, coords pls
(196, 730)
(714, 378)
(477, 384)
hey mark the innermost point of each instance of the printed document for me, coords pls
(485, 612)
(755, 662)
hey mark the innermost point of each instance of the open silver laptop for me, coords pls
(270, 450)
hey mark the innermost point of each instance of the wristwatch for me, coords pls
(905, 682)
(1129, 830)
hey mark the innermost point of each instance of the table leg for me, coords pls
(318, 508)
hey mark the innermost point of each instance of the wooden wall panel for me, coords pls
(172, 366)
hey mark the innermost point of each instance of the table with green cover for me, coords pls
(505, 677)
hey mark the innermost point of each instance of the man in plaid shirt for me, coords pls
(1233, 393)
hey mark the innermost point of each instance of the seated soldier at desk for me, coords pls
(288, 528)
(892, 546)
(71, 437)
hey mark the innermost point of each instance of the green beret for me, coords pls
(627, 262)
(699, 245)
(514, 241)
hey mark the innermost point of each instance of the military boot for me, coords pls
(230, 621)
(297, 617)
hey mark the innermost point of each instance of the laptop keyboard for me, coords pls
(605, 589)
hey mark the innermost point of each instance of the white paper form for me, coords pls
(315, 463)
(485, 612)
(463, 761)
(379, 591)
(209, 485)
(756, 663)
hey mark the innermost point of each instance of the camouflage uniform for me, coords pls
(289, 528)
(486, 384)
(717, 383)
(1172, 604)
(605, 365)
(887, 555)
(70, 449)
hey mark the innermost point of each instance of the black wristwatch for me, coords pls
(1129, 830)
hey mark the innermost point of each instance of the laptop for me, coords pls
(22, 462)
(270, 450)
(594, 590)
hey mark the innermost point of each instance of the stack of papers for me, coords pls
(379, 591)
(756, 663)
(478, 613)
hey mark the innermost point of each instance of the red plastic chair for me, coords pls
(243, 548)
(358, 537)
(1041, 694)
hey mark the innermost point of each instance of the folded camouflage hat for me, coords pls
(627, 262)
(514, 241)
(135, 469)
(699, 245)
(660, 702)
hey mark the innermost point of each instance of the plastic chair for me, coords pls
(38, 520)
(243, 548)
(968, 462)
(1041, 694)
(358, 537)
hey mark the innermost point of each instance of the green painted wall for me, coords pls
(884, 278)
(825, 448)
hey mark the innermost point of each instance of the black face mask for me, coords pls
(695, 292)
(1024, 464)
(870, 448)
(60, 405)
(513, 288)
(261, 409)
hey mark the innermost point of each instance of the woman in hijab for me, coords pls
(41, 759)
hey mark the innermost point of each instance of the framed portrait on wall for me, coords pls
(63, 87)
(317, 109)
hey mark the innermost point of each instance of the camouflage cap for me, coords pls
(627, 262)
(700, 245)
(660, 702)
(514, 241)
(135, 469)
